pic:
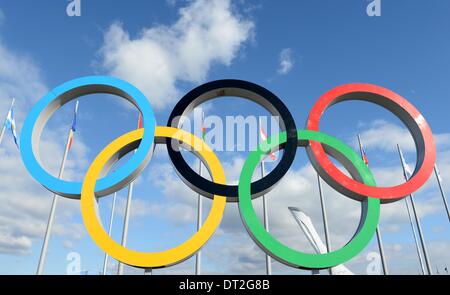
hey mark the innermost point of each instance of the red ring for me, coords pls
(405, 111)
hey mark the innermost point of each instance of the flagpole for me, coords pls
(325, 218)
(111, 218)
(378, 232)
(126, 222)
(4, 124)
(265, 202)
(2, 133)
(419, 227)
(198, 257)
(441, 188)
(381, 248)
(266, 222)
(51, 219)
(415, 238)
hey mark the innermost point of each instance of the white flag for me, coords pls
(407, 170)
(10, 124)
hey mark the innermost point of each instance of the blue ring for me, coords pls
(67, 92)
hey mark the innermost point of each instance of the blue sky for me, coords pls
(322, 44)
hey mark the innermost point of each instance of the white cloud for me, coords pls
(20, 77)
(139, 207)
(286, 61)
(15, 245)
(384, 136)
(25, 203)
(207, 33)
(68, 244)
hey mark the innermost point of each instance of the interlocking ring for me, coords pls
(123, 145)
(360, 187)
(54, 100)
(370, 211)
(249, 91)
(405, 111)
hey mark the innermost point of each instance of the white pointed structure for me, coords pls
(308, 228)
(324, 217)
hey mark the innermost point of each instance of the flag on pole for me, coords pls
(204, 132)
(140, 124)
(408, 172)
(204, 129)
(10, 124)
(74, 126)
(263, 136)
(363, 151)
(364, 156)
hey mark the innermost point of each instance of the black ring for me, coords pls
(243, 89)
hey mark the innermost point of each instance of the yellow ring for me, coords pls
(151, 259)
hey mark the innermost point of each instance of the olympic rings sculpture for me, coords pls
(99, 181)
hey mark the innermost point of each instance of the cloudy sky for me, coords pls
(298, 50)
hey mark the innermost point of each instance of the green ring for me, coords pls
(287, 255)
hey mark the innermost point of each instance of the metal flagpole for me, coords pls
(126, 224)
(422, 240)
(263, 137)
(419, 254)
(198, 257)
(105, 262)
(325, 218)
(378, 232)
(380, 246)
(51, 218)
(441, 188)
(266, 222)
(2, 133)
(4, 124)
(416, 217)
